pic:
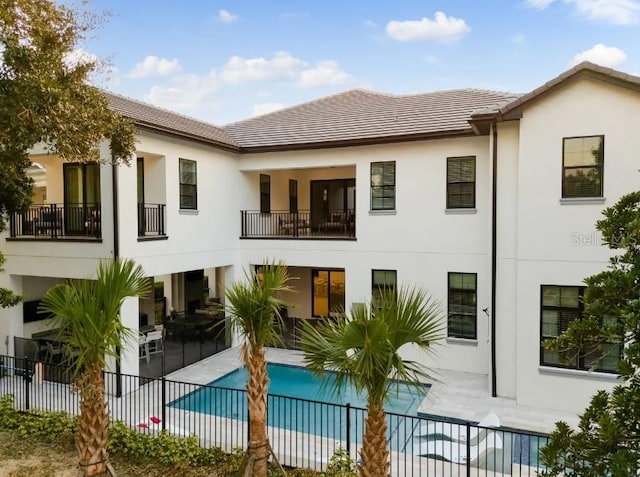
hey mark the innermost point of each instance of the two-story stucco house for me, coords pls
(486, 199)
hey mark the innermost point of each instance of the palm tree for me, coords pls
(365, 349)
(88, 313)
(254, 309)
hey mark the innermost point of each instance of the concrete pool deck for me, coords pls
(457, 395)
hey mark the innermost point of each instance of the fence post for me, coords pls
(348, 428)
(164, 401)
(27, 379)
(468, 464)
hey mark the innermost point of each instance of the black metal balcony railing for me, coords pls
(151, 220)
(301, 224)
(57, 221)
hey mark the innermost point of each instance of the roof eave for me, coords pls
(182, 135)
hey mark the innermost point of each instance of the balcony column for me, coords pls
(11, 319)
(129, 363)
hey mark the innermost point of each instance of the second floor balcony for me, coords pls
(304, 224)
(151, 221)
(57, 221)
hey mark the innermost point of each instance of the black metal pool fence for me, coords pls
(303, 433)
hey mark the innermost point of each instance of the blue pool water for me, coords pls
(291, 389)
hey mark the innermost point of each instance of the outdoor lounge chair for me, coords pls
(457, 451)
(458, 432)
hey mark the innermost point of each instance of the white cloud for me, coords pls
(539, 4)
(323, 73)
(442, 28)
(370, 24)
(79, 57)
(617, 12)
(603, 55)
(185, 92)
(283, 67)
(517, 39)
(226, 16)
(266, 108)
(155, 66)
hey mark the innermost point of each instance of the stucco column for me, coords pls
(11, 319)
(129, 362)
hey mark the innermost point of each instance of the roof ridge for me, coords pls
(306, 103)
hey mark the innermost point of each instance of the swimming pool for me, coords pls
(300, 401)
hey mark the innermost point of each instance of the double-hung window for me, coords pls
(383, 185)
(462, 316)
(582, 166)
(560, 305)
(188, 184)
(461, 182)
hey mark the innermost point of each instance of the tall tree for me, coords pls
(46, 98)
(254, 308)
(88, 313)
(607, 441)
(365, 349)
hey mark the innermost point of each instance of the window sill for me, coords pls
(461, 211)
(382, 212)
(578, 373)
(188, 211)
(582, 200)
(462, 341)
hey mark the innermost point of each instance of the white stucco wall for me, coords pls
(554, 240)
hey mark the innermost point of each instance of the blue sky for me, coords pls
(222, 61)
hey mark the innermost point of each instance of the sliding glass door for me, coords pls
(81, 197)
(328, 292)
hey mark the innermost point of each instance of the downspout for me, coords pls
(494, 203)
(116, 255)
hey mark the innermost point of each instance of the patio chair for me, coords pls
(458, 432)
(155, 342)
(53, 349)
(143, 347)
(457, 451)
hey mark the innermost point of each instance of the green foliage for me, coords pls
(55, 427)
(364, 346)
(166, 449)
(254, 304)
(607, 441)
(341, 465)
(88, 311)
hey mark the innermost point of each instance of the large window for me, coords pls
(265, 193)
(461, 182)
(582, 166)
(462, 307)
(560, 305)
(383, 185)
(328, 292)
(188, 184)
(383, 283)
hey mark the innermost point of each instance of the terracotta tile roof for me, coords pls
(162, 120)
(513, 109)
(360, 116)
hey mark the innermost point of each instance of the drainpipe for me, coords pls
(116, 255)
(494, 202)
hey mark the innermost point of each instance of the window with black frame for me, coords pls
(462, 306)
(561, 305)
(383, 185)
(293, 196)
(188, 184)
(383, 284)
(582, 166)
(461, 182)
(265, 194)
